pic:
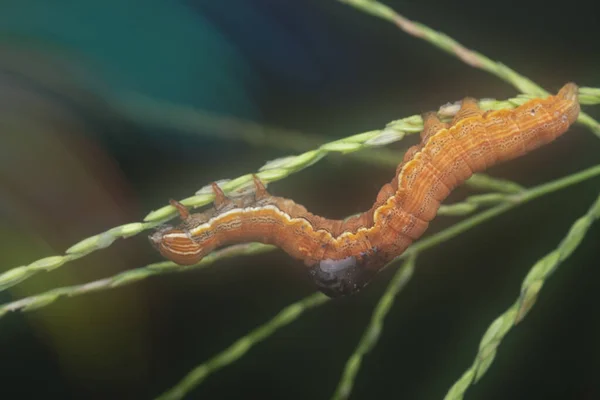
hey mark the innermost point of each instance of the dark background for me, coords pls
(74, 163)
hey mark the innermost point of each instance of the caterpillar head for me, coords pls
(177, 245)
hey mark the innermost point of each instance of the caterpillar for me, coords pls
(342, 256)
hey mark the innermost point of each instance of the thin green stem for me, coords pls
(470, 57)
(145, 110)
(374, 329)
(589, 96)
(128, 277)
(530, 289)
(242, 346)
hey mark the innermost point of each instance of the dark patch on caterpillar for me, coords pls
(342, 256)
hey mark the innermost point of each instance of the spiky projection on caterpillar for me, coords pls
(343, 256)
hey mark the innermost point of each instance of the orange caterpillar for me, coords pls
(342, 256)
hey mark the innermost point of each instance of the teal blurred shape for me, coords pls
(157, 48)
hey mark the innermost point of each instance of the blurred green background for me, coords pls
(81, 151)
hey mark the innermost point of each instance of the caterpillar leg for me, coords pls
(221, 201)
(469, 108)
(181, 209)
(260, 189)
(431, 125)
